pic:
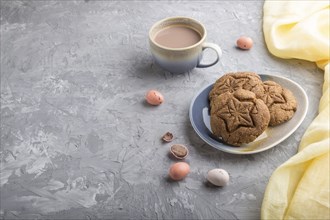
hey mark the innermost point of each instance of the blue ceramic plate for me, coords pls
(200, 120)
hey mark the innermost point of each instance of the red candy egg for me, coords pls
(154, 97)
(179, 171)
(244, 43)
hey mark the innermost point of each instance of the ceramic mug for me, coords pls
(180, 60)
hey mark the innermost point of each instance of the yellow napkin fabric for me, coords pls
(299, 188)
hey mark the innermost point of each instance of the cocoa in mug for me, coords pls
(177, 37)
(177, 44)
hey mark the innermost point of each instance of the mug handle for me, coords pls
(214, 47)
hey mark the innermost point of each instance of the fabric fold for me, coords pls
(299, 188)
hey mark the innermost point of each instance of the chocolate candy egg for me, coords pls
(154, 97)
(244, 43)
(179, 151)
(179, 171)
(218, 177)
(168, 137)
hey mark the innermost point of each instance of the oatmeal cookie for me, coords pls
(280, 101)
(238, 117)
(231, 82)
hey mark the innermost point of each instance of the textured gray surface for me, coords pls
(77, 139)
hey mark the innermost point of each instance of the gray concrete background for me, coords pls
(78, 140)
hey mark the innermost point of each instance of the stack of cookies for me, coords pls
(242, 107)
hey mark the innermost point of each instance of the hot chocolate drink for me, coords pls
(177, 37)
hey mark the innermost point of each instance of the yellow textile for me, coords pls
(299, 188)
